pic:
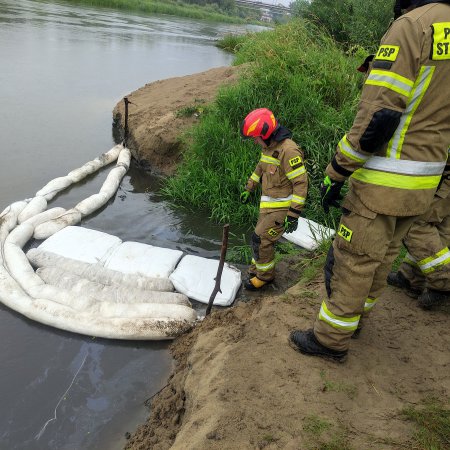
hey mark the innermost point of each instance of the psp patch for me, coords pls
(387, 53)
(345, 233)
(441, 41)
(272, 232)
(295, 161)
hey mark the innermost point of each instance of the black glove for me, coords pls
(290, 224)
(330, 193)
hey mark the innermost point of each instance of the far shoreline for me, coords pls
(166, 8)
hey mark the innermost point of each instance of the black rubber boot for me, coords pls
(357, 333)
(431, 297)
(305, 342)
(397, 279)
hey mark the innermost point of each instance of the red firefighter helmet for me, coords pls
(259, 123)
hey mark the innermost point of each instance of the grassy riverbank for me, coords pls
(170, 7)
(312, 87)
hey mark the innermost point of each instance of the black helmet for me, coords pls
(402, 4)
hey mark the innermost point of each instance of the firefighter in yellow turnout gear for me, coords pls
(394, 156)
(425, 271)
(284, 183)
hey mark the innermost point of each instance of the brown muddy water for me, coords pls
(63, 69)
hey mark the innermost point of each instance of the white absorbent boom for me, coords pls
(75, 296)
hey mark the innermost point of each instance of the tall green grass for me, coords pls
(231, 42)
(311, 86)
(170, 7)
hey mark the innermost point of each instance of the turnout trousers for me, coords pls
(356, 270)
(427, 263)
(268, 230)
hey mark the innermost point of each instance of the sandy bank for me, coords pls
(155, 123)
(238, 385)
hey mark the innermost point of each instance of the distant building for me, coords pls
(266, 16)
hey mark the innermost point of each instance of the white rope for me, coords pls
(38, 436)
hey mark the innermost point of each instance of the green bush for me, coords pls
(307, 81)
(351, 22)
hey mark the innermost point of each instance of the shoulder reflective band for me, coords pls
(343, 323)
(390, 80)
(269, 160)
(255, 177)
(296, 173)
(299, 200)
(441, 41)
(419, 89)
(430, 264)
(346, 149)
(404, 166)
(394, 180)
(369, 304)
(387, 53)
(265, 267)
(271, 202)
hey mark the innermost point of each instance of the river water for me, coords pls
(63, 69)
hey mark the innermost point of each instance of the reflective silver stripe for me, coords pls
(343, 323)
(391, 81)
(298, 199)
(265, 267)
(266, 198)
(296, 173)
(347, 150)
(444, 258)
(419, 89)
(270, 160)
(404, 166)
(369, 304)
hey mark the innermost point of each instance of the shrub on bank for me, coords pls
(350, 22)
(311, 86)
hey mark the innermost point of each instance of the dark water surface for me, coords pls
(62, 70)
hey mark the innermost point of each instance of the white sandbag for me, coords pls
(63, 279)
(63, 317)
(15, 260)
(153, 310)
(112, 181)
(124, 158)
(36, 206)
(56, 185)
(47, 229)
(9, 216)
(77, 310)
(76, 301)
(98, 273)
(143, 259)
(92, 203)
(195, 277)
(96, 164)
(53, 187)
(24, 232)
(81, 244)
(309, 234)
